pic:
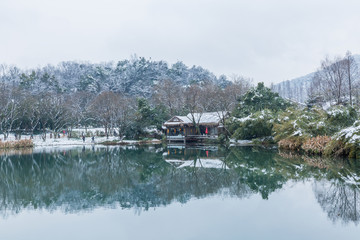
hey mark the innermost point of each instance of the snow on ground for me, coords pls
(240, 142)
(338, 111)
(326, 106)
(297, 133)
(351, 134)
(65, 141)
(244, 119)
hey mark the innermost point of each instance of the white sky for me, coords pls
(268, 40)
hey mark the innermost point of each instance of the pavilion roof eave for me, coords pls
(189, 124)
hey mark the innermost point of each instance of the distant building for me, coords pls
(194, 127)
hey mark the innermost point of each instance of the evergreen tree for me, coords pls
(258, 99)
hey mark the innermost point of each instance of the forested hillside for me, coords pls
(136, 76)
(130, 95)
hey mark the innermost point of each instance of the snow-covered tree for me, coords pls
(169, 94)
(257, 99)
(9, 108)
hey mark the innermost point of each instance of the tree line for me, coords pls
(135, 76)
(36, 102)
(336, 81)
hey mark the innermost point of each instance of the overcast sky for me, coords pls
(267, 40)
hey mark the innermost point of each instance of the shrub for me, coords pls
(339, 117)
(263, 140)
(223, 139)
(26, 143)
(300, 122)
(335, 148)
(74, 134)
(99, 133)
(316, 145)
(345, 142)
(256, 125)
(292, 143)
(352, 150)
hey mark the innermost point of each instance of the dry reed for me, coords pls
(26, 143)
(316, 145)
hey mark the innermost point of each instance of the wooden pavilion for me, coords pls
(194, 126)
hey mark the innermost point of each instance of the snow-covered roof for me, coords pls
(200, 118)
(184, 118)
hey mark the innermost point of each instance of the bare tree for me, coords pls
(78, 104)
(58, 114)
(209, 97)
(31, 112)
(352, 73)
(170, 94)
(104, 110)
(9, 108)
(125, 114)
(192, 104)
(336, 79)
(330, 79)
(240, 85)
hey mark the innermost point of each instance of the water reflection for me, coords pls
(338, 200)
(81, 179)
(336, 186)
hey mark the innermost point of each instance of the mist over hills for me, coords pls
(297, 89)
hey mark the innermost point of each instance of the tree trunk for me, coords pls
(348, 65)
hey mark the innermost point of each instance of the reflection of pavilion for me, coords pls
(200, 157)
(198, 163)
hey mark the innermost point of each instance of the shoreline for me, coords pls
(38, 142)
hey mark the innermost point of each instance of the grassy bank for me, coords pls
(26, 143)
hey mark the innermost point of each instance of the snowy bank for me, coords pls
(65, 141)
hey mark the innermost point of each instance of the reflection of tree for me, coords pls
(82, 179)
(336, 186)
(75, 180)
(339, 200)
(259, 169)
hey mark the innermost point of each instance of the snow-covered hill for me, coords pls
(135, 77)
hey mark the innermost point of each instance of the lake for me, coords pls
(161, 192)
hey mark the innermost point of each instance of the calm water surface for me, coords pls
(176, 193)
